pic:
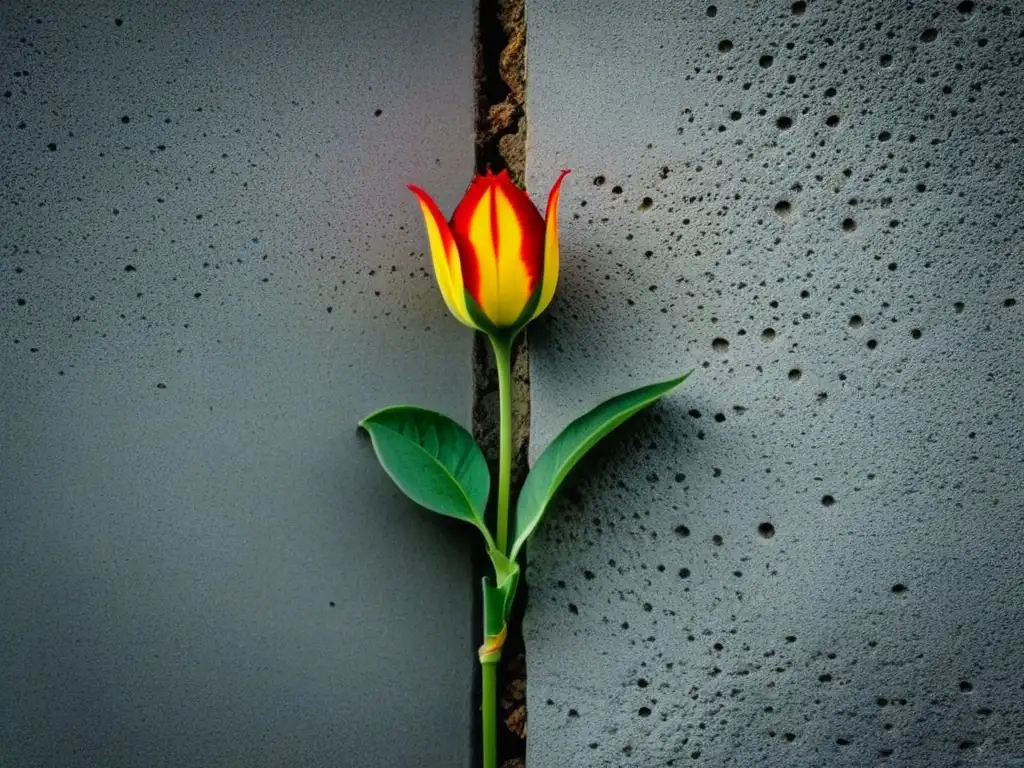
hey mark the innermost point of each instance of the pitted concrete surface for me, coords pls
(211, 269)
(810, 554)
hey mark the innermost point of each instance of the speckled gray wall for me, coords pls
(811, 554)
(211, 270)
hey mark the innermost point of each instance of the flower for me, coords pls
(496, 262)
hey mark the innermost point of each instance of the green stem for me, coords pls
(503, 362)
(490, 713)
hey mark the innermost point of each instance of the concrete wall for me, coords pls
(811, 554)
(210, 271)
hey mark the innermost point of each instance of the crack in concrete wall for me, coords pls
(501, 144)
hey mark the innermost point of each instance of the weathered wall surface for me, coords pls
(811, 555)
(210, 271)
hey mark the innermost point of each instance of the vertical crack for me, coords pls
(500, 79)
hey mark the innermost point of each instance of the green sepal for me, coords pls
(480, 319)
(531, 306)
(572, 445)
(433, 460)
(482, 322)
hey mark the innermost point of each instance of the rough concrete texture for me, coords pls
(211, 270)
(811, 554)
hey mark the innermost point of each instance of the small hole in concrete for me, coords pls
(768, 334)
(766, 530)
(856, 321)
(646, 203)
(783, 208)
(784, 123)
(711, 11)
(884, 136)
(827, 500)
(899, 589)
(725, 46)
(872, 343)
(885, 60)
(598, 181)
(798, 8)
(915, 333)
(965, 686)
(795, 374)
(719, 344)
(766, 61)
(929, 35)
(616, 190)
(717, 540)
(966, 7)
(849, 225)
(684, 573)
(682, 530)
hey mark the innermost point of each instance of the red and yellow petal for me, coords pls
(550, 274)
(445, 255)
(499, 234)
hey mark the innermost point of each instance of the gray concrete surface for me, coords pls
(211, 270)
(832, 236)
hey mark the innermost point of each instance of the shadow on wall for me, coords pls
(815, 558)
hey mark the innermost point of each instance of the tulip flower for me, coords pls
(496, 262)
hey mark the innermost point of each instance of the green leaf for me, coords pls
(494, 614)
(506, 573)
(572, 445)
(503, 567)
(434, 460)
(498, 603)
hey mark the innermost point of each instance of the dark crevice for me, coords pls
(501, 87)
(500, 77)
